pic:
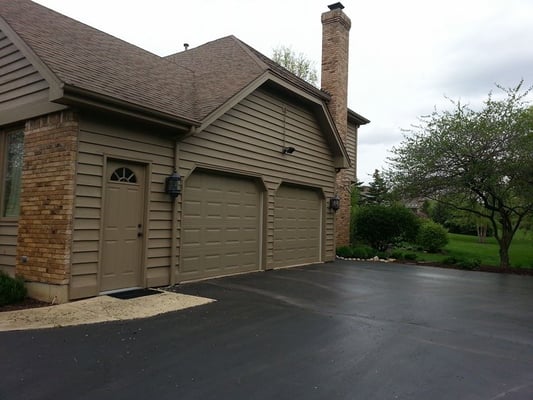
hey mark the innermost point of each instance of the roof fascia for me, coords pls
(54, 82)
(342, 159)
(84, 98)
(357, 118)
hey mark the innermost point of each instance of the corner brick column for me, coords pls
(335, 42)
(47, 205)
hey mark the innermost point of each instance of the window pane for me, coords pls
(13, 173)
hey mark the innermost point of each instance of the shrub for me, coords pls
(383, 255)
(380, 225)
(344, 251)
(450, 260)
(432, 237)
(472, 263)
(356, 252)
(398, 254)
(12, 290)
(363, 252)
(410, 256)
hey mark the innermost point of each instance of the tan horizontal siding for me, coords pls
(250, 138)
(8, 246)
(20, 83)
(100, 138)
(351, 144)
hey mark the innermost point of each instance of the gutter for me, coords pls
(72, 95)
(357, 118)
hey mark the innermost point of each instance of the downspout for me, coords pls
(174, 225)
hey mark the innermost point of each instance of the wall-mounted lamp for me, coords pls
(288, 150)
(173, 185)
(335, 203)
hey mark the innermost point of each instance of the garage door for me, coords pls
(220, 227)
(297, 226)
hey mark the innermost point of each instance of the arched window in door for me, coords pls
(123, 174)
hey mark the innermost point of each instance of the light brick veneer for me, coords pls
(335, 40)
(47, 204)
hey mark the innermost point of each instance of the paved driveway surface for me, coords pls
(335, 331)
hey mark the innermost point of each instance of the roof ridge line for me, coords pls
(248, 50)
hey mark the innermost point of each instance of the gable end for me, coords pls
(24, 91)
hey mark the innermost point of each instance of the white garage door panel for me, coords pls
(297, 226)
(221, 226)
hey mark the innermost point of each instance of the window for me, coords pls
(123, 174)
(12, 150)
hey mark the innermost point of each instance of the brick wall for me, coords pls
(47, 198)
(335, 40)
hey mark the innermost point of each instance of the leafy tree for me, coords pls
(297, 63)
(381, 225)
(476, 161)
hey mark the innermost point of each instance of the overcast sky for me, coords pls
(405, 56)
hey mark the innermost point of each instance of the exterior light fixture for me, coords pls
(173, 185)
(335, 203)
(288, 150)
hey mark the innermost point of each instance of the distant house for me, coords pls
(93, 129)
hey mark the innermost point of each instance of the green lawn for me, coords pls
(468, 247)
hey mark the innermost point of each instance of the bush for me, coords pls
(364, 252)
(381, 225)
(12, 290)
(450, 260)
(410, 256)
(398, 254)
(472, 263)
(356, 252)
(432, 237)
(344, 251)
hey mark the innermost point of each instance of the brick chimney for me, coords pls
(335, 37)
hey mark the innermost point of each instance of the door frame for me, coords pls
(147, 165)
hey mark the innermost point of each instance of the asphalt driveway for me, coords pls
(342, 330)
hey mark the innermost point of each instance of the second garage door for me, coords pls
(221, 226)
(297, 226)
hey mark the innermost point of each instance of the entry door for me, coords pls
(123, 226)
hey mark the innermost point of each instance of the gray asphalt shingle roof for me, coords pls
(89, 59)
(189, 85)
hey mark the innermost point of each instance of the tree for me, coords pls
(378, 192)
(475, 161)
(297, 63)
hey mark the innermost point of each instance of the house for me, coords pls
(97, 136)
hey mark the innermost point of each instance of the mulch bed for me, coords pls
(26, 303)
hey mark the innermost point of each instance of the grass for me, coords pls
(468, 247)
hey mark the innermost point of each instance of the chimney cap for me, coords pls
(336, 6)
